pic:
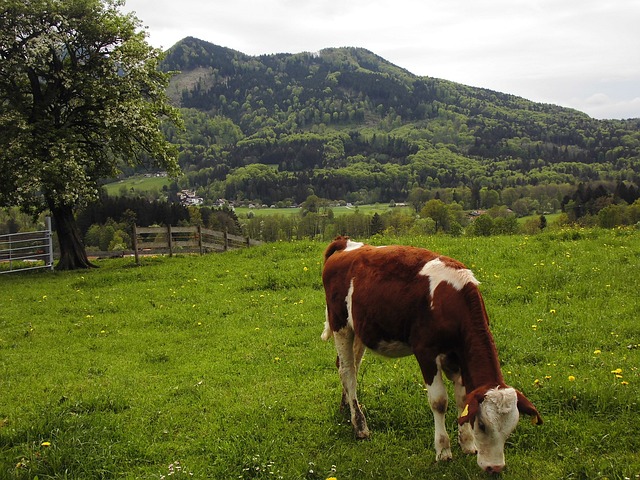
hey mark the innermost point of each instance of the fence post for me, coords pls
(49, 234)
(225, 247)
(135, 243)
(10, 253)
(169, 240)
(248, 240)
(200, 239)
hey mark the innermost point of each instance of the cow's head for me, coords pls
(493, 414)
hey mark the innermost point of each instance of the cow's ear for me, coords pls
(525, 406)
(467, 415)
(474, 399)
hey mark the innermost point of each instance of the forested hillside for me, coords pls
(344, 124)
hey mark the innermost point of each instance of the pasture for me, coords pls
(340, 210)
(138, 183)
(213, 367)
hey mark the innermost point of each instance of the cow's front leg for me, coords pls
(438, 400)
(344, 341)
(465, 432)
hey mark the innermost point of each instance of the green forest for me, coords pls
(344, 124)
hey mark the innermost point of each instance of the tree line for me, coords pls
(107, 225)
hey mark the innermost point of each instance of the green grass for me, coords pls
(551, 218)
(216, 362)
(139, 183)
(364, 209)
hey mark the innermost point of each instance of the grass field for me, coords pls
(139, 183)
(342, 210)
(213, 367)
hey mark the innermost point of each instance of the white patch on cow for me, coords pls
(349, 301)
(353, 245)
(497, 417)
(501, 400)
(438, 271)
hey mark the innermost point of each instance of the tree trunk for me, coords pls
(73, 254)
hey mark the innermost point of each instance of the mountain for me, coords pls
(344, 120)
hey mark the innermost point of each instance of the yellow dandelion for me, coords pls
(305, 269)
(617, 371)
(46, 444)
(624, 383)
(597, 352)
(572, 378)
(552, 311)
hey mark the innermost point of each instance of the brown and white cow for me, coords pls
(400, 301)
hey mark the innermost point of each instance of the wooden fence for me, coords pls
(153, 240)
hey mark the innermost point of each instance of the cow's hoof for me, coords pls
(444, 455)
(469, 450)
(363, 435)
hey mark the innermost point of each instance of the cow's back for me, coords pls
(380, 287)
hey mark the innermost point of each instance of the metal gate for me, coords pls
(27, 250)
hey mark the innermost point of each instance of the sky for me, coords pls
(582, 54)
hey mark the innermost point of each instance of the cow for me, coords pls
(401, 300)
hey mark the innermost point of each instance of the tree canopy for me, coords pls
(80, 96)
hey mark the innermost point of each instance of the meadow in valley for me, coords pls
(212, 366)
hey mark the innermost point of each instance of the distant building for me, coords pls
(189, 198)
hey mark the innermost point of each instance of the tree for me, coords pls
(311, 205)
(482, 226)
(438, 211)
(376, 224)
(80, 96)
(417, 198)
(543, 222)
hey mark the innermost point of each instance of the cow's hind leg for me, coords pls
(438, 401)
(347, 367)
(358, 353)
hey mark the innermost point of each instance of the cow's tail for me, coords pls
(327, 333)
(339, 243)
